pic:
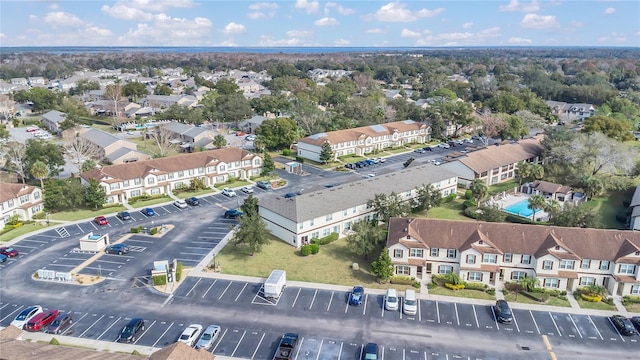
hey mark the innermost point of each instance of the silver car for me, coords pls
(208, 337)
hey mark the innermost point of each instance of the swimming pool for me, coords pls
(520, 208)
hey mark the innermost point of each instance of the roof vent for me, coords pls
(405, 229)
(480, 242)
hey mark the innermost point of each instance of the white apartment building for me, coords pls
(19, 199)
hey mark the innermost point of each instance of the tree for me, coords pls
(427, 197)
(577, 216)
(492, 125)
(113, 92)
(326, 154)
(79, 148)
(232, 107)
(278, 133)
(307, 114)
(162, 89)
(478, 189)
(619, 130)
(219, 141)
(366, 239)
(457, 113)
(134, 90)
(268, 166)
(515, 128)
(226, 87)
(388, 206)
(39, 170)
(528, 283)
(251, 230)
(490, 213)
(95, 195)
(536, 202)
(47, 152)
(16, 159)
(553, 208)
(87, 165)
(163, 140)
(383, 267)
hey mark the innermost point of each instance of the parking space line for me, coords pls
(11, 313)
(299, 347)
(170, 325)
(346, 307)
(296, 299)
(313, 299)
(438, 312)
(145, 332)
(554, 323)
(111, 262)
(382, 357)
(340, 353)
(258, 347)
(239, 341)
(78, 225)
(225, 290)
(73, 322)
(382, 308)
(107, 329)
(92, 224)
(493, 311)
(95, 322)
(364, 308)
(419, 312)
(194, 286)
(331, 298)
(616, 329)
(475, 314)
(575, 326)
(455, 305)
(7, 304)
(534, 321)
(515, 321)
(594, 325)
(210, 286)
(320, 349)
(240, 293)
(219, 341)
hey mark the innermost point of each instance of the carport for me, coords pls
(91, 242)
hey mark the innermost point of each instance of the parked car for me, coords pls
(228, 192)
(41, 321)
(370, 162)
(380, 160)
(624, 325)
(193, 201)
(420, 151)
(181, 204)
(636, 322)
(263, 184)
(240, 133)
(427, 148)
(290, 195)
(356, 295)
(233, 213)
(410, 304)
(247, 189)
(250, 137)
(371, 352)
(191, 334)
(25, 315)
(468, 140)
(32, 129)
(60, 324)
(350, 165)
(391, 301)
(3, 258)
(9, 251)
(117, 249)
(209, 336)
(101, 220)
(503, 312)
(124, 215)
(130, 331)
(148, 212)
(443, 146)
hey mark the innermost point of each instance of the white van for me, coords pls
(391, 300)
(410, 304)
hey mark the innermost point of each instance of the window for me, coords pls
(256, 161)
(10, 203)
(135, 193)
(315, 235)
(24, 199)
(517, 275)
(586, 263)
(586, 281)
(551, 283)
(200, 170)
(221, 167)
(326, 232)
(628, 269)
(475, 276)
(126, 183)
(445, 269)
(191, 172)
(246, 163)
(635, 290)
(526, 259)
(151, 181)
(211, 169)
(471, 259)
(547, 265)
(452, 253)
(162, 177)
(115, 186)
(415, 253)
(567, 264)
(137, 181)
(329, 217)
(402, 270)
(507, 257)
(311, 222)
(435, 252)
(171, 175)
(180, 173)
(36, 195)
(489, 258)
(604, 265)
(345, 213)
(397, 253)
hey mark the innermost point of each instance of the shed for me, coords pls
(95, 243)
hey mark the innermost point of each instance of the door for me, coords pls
(428, 268)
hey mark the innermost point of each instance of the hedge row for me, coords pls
(402, 280)
(309, 249)
(591, 298)
(327, 239)
(454, 286)
(178, 271)
(144, 197)
(449, 198)
(630, 299)
(159, 280)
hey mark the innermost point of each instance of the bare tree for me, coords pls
(80, 148)
(15, 156)
(492, 125)
(113, 92)
(6, 108)
(163, 140)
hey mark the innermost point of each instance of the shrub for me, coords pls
(159, 280)
(136, 353)
(286, 152)
(17, 225)
(591, 298)
(402, 280)
(468, 195)
(300, 159)
(153, 231)
(504, 291)
(608, 301)
(54, 341)
(454, 287)
(432, 285)
(517, 220)
(315, 248)
(179, 271)
(476, 286)
(136, 229)
(449, 198)
(471, 212)
(469, 204)
(537, 296)
(491, 291)
(630, 299)
(416, 284)
(39, 215)
(305, 250)
(327, 239)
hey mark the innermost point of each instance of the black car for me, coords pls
(193, 201)
(232, 214)
(60, 324)
(131, 330)
(117, 249)
(370, 352)
(503, 312)
(427, 148)
(350, 166)
(124, 215)
(624, 325)
(636, 322)
(289, 195)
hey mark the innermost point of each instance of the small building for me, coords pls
(19, 200)
(52, 120)
(94, 242)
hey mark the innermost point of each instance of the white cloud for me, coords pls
(535, 21)
(126, 12)
(326, 21)
(97, 31)
(341, 42)
(310, 7)
(613, 37)
(33, 18)
(515, 5)
(142, 10)
(467, 25)
(519, 41)
(299, 33)
(233, 29)
(341, 9)
(376, 31)
(397, 12)
(609, 11)
(270, 41)
(60, 18)
(263, 5)
(406, 33)
(168, 31)
(459, 38)
(229, 42)
(2, 35)
(54, 6)
(157, 6)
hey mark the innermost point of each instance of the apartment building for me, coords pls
(316, 214)
(19, 199)
(560, 258)
(161, 176)
(365, 139)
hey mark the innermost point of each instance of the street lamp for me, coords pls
(47, 214)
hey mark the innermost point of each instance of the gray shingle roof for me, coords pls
(124, 151)
(328, 201)
(635, 200)
(54, 116)
(100, 138)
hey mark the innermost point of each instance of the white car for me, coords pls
(25, 315)
(208, 337)
(191, 334)
(444, 146)
(380, 160)
(181, 204)
(250, 138)
(228, 192)
(247, 189)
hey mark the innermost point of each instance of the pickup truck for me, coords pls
(286, 347)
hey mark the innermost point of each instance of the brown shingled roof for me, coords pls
(13, 191)
(340, 136)
(496, 156)
(549, 187)
(181, 351)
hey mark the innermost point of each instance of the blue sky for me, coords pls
(319, 23)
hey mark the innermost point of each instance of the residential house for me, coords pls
(20, 81)
(52, 120)
(189, 136)
(316, 214)
(111, 148)
(551, 191)
(570, 112)
(163, 175)
(321, 74)
(634, 210)
(247, 85)
(37, 81)
(561, 258)
(496, 164)
(250, 125)
(19, 199)
(162, 102)
(363, 140)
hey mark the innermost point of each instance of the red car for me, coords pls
(240, 133)
(101, 220)
(9, 251)
(41, 321)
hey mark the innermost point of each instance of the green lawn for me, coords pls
(73, 215)
(631, 307)
(146, 203)
(232, 185)
(499, 188)
(188, 194)
(465, 293)
(594, 305)
(608, 206)
(24, 229)
(553, 301)
(396, 151)
(449, 211)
